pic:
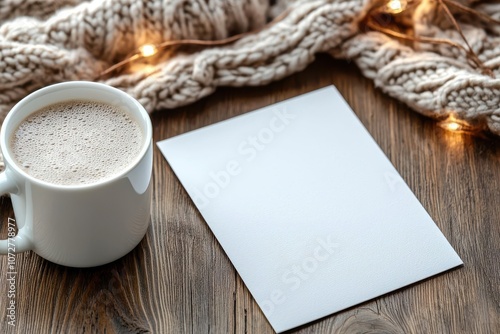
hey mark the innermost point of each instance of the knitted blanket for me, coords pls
(44, 42)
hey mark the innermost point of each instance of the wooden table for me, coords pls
(178, 280)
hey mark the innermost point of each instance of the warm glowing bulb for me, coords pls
(148, 50)
(454, 124)
(396, 6)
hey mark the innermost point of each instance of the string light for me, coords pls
(383, 7)
(396, 6)
(453, 124)
(400, 26)
(148, 50)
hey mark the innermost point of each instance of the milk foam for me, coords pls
(76, 142)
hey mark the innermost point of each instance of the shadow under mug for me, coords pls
(78, 225)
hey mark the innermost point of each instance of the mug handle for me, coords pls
(20, 242)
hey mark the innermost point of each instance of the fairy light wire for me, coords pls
(149, 49)
(395, 7)
(392, 7)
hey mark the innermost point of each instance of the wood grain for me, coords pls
(178, 280)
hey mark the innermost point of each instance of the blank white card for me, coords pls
(310, 211)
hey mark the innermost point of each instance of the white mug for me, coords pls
(78, 225)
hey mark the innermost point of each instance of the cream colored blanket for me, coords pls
(44, 42)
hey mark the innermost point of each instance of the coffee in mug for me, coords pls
(78, 167)
(76, 142)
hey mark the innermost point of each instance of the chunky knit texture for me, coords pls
(44, 42)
